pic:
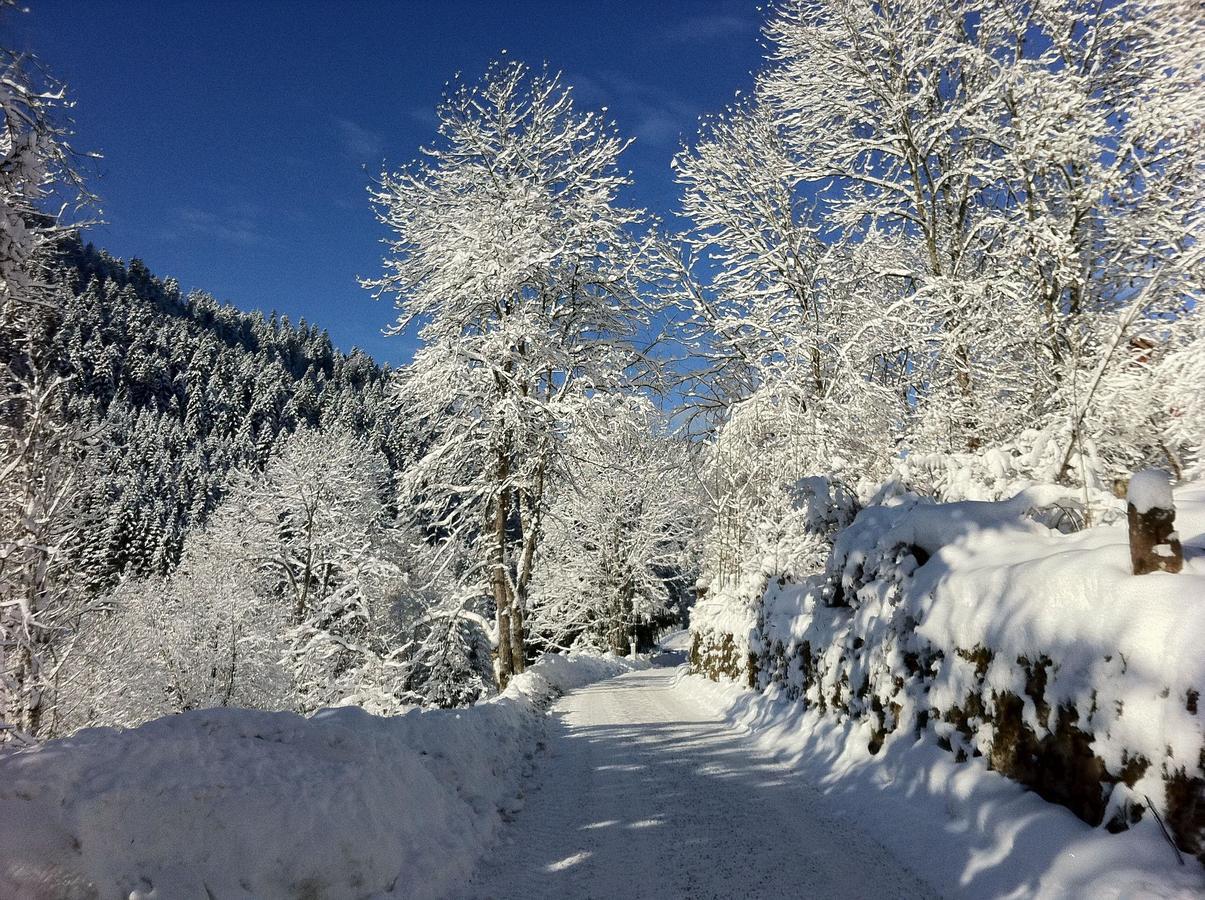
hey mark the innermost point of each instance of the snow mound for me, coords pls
(243, 803)
(676, 640)
(998, 637)
(1150, 489)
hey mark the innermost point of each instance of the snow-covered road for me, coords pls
(644, 792)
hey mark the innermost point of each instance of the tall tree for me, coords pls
(513, 255)
(36, 443)
(1041, 161)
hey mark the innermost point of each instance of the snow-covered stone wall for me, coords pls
(1000, 638)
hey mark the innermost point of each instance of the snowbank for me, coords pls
(240, 803)
(1003, 639)
(722, 625)
(968, 831)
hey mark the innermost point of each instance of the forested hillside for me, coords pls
(173, 392)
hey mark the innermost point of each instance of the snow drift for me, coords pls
(1003, 639)
(241, 803)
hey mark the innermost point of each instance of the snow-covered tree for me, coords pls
(1043, 164)
(37, 446)
(802, 349)
(618, 534)
(312, 530)
(208, 635)
(37, 165)
(781, 312)
(40, 602)
(292, 596)
(935, 232)
(310, 516)
(521, 270)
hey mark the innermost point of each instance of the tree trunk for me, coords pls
(498, 580)
(504, 668)
(518, 639)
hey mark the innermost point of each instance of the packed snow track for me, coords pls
(643, 792)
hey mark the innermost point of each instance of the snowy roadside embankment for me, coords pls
(242, 803)
(992, 636)
(722, 624)
(968, 831)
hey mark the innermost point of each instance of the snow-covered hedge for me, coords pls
(1006, 639)
(242, 803)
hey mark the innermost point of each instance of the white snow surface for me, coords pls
(676, 640)
(232, 803)
(967, 831)
(1150, 489)
(645, 792)
(1125, 651)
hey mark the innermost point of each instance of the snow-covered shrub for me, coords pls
(202, 638)
(724, 621)
(723, 624)
(290, 598)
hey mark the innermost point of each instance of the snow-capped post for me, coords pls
(1154, 544)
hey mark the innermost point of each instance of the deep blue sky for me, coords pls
(235, 134)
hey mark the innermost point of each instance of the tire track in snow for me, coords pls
(644, 793)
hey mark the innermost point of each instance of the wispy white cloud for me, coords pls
(648, 112)
(706, 28)
(360, 144)
(237, 224)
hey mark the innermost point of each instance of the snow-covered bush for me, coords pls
(292, 597)
(725, 618)
(204, 637)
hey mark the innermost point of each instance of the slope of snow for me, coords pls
(1127, 648)
(967, 831)
(240, 803)
(983, 596)
(676, 640)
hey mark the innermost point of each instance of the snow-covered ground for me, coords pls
(967, 831)
(645, 792)
(662, 784)
(227, 803)
(653, 783)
